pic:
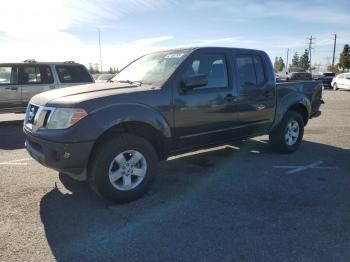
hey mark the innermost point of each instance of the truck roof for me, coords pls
(209, 48)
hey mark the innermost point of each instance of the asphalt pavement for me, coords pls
(239, 202)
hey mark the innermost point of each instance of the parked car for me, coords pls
(163, 104)
(19, 82)
(341, 81)
(327, 79)
(102, 78)
(299, 76)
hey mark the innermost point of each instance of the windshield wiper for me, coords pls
(130, 82)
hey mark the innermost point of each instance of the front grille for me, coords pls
(37, 117)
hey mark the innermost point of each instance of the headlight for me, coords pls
(63, 118)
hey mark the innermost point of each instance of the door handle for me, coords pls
(11, 88)
(229, 98)
(52, 87)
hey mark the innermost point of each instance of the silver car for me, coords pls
(19, 82)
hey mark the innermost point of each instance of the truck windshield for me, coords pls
(153, 69)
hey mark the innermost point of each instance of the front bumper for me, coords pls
(68, 158)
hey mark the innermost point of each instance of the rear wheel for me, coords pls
(123, 167)
(335, 86)
(287, 137)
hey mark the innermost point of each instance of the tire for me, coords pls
(278, 137)
(117, 156)
(335, 86)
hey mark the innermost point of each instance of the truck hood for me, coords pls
(80, 93)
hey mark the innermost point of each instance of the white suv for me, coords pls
(19, 82)
(341, 81)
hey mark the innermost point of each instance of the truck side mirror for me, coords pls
(195, 81)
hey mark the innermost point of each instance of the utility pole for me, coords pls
(99, 43)
(310, 48)
(287, 59)
(335, 44)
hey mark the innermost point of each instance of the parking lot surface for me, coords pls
(238, 202)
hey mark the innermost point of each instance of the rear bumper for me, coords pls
(68, 158)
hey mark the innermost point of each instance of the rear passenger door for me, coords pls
(70, 75)
(256, 94)
(34, 79)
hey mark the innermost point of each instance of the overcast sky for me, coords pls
(60, 30)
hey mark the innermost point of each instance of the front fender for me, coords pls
(107, 117)
(285, 103)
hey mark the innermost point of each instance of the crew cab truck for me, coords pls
(113, 134)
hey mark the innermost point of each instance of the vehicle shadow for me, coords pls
(79, 224)
(11, 135)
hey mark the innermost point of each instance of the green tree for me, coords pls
(344, 59)
(304, 61)
(334, 69)
(279, 64)
(295, 60)
(275, 65)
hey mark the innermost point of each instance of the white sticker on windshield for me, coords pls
(174, 55)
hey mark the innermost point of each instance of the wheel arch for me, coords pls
(297, 102)
(138, 128)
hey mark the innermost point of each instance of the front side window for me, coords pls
(6, 75)
(213, 66)
(36, 75)
(153, 69)
(251, 72)
(73, 74)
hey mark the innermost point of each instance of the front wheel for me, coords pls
(123, 167)
(287, 137)
(335, 86)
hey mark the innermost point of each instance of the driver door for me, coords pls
(204, 115)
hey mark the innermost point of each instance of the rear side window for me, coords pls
(213, 66)
(259, 70)
(35, 75)
(7, 75)
(73, 74)
(251, 72)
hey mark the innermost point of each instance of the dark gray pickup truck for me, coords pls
(113, 134)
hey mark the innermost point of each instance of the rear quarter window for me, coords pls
(73, 74)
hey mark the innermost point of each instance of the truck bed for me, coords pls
(312, 89)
